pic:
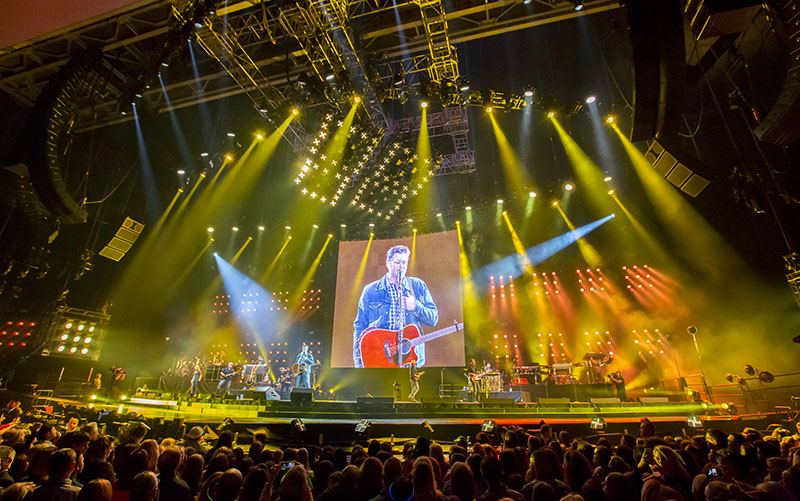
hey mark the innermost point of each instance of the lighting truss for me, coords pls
(451, 121)
(323, 30)
(223, 45)
(443, 57)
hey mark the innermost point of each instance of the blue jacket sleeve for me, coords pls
(361, 322)
(425, 309)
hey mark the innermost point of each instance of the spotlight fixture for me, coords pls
(235, 228)
(607, 178)
(295, 111)
(409, 220)
(610, 192)
(315, 226)
(694, 422)
(468, 207)
(489, 108)
(499, 200)
(288, 227)
(438, 214)
(598, 423)
(528, 91)
(591, 99)
(532, 194)
(330, 76)
(424, 103)
(259, 136)
(578, 5)
(181, 172)
(403, 96)
(357, 99)
(231, 134)
(204, 154)
(228, 157)
(555, 203)
(210, 229)
(343, 225)
(551, 114)
(569, 187)
(398, 79)
(298, 425)
(363, 426)
(261, 227)
(371, 225)
(610, 119)
(463, 84)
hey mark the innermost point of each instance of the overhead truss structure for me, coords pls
(260, 48)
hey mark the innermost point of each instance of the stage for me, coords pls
(328, 421)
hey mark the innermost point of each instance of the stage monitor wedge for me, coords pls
(302, 396)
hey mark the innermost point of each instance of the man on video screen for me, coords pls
(392, 303)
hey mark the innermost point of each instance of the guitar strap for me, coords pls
(401, 289)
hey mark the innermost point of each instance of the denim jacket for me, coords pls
(373, 311)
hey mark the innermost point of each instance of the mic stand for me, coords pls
(401, 289)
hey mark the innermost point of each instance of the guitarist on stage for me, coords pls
(225, 379)
(304, 361)
(393, 302)
(413, 377)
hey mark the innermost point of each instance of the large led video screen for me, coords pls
(399, 302)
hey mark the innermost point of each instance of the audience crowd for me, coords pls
(39, 461)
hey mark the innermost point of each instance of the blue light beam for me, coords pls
(513, 265)
(250, 302)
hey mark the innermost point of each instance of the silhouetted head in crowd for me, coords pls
(144, 487)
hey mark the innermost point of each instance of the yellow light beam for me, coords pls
(650, 242)
(188, 270)
(274, 261)
(515, 173)
(309, 274)
(141, 302)
(588, 252)
(355, 291)
(588, 176)
(475, 315)
(166, 213)
(692, 236)
(241, 250)
(422, 166)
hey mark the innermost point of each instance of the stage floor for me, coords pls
(328, 421)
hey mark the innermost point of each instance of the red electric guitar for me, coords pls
(379, 346)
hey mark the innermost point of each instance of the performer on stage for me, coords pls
(393, 302)
(474, 377)
(225, 380)
(413, 377)
(117, 379)
(304, 372)
(197, 375)
(618, 381)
